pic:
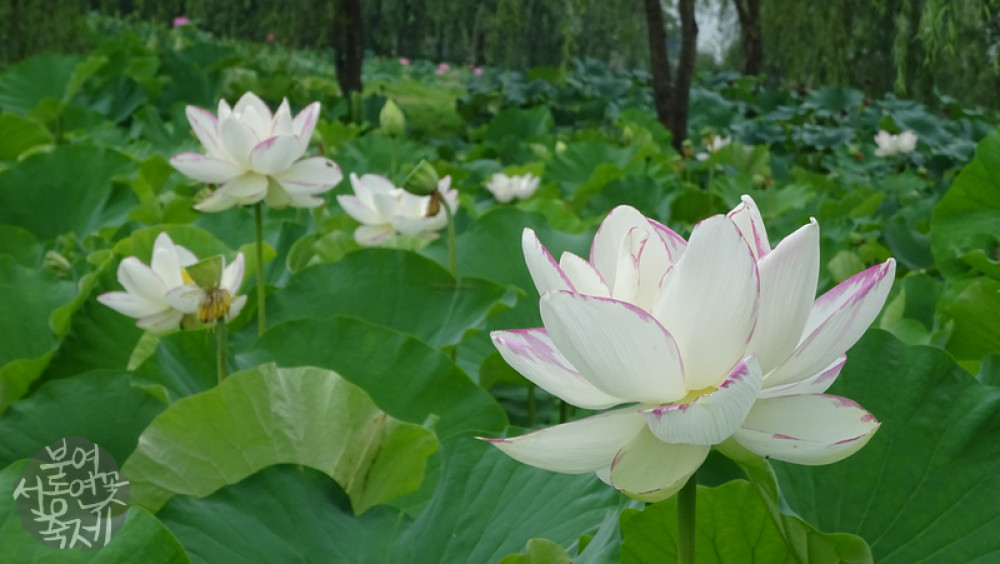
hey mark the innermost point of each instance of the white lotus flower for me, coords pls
(889, 144)
(254, 155)
(693, 345)
(219, 301)
(713, 144)
(146, 286)
(384, 209)
(506, 188)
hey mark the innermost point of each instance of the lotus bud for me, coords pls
(422, 180)
(391, 119)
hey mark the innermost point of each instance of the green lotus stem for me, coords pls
(686, 499)
(220, 345)
(258, 213)
(451, 236)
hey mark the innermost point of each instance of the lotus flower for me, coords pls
(404, 61)
(713, 144)
(146, 286)
(506, 188)
(384, 209)
(889, 144)
(254, 155)
(714, 340)
(181, 21)
(216, 300)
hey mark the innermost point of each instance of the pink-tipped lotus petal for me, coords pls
(709, 302)
(807, 429)
(282, 125)
(651, 470)
(675, 243)
(788, 276)
(206, 129)
(238, 139)
(274, 155)
(838, 319)
(372, 235)
(305, 123)
(216, 202)
(580, 446)
(255, 113)
(711, 418)
(620, 349)
(140, 280)
(816, 384)
(583, 276)
(544, 270)
(235, 307)
(161, 322)
(204, 168)
(130, 305)
(630, 255)
(249, 185)
(747, 218)
(311, 176)
(185, 298)
(532, 353)
(355, 208)
(232, 275)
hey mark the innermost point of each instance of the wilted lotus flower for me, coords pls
(889, 144)
(154, 293)
(252, 156)
(506, 188)
(710, 341)
(210, 293)
(713, 144)
(384, 209)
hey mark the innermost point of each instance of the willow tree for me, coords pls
(671, 89)
(748, 13)
(348, 45)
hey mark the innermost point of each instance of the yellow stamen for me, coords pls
(695, 394)
(215, 305)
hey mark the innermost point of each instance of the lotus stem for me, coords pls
(220, 345)
(258, 213)
(451, 236)
(686, 501)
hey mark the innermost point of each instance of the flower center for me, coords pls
(214, 305)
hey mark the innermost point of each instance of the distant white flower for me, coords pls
(252, 156)
(506, 188)
(146, 286)
(384, 209)
(889, 144)
(713, 144)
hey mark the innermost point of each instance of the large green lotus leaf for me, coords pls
(485, 507)
(142, 539)
(398, 289)
(182, 364)
(101, 406)
(975, 312)
(18, 134)
(23, 85)
(967, 219)
(539, 551)
(925, 488)
(266, 416)
(573, 167)
(376, 154)
(21, 245)
(732, 525)
(29, 296)
(67, 189)
(406, 377)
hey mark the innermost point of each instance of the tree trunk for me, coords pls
(670, 97)
(748, 12)
(349, 44)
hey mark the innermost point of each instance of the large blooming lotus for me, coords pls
(254, 155)
(384, 209)
(889, 144)
(505, 188)
(161, 294)
(693, 343)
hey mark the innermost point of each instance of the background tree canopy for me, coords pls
(919, 49)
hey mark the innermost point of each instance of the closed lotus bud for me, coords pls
(391, 119)
(422, 180)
